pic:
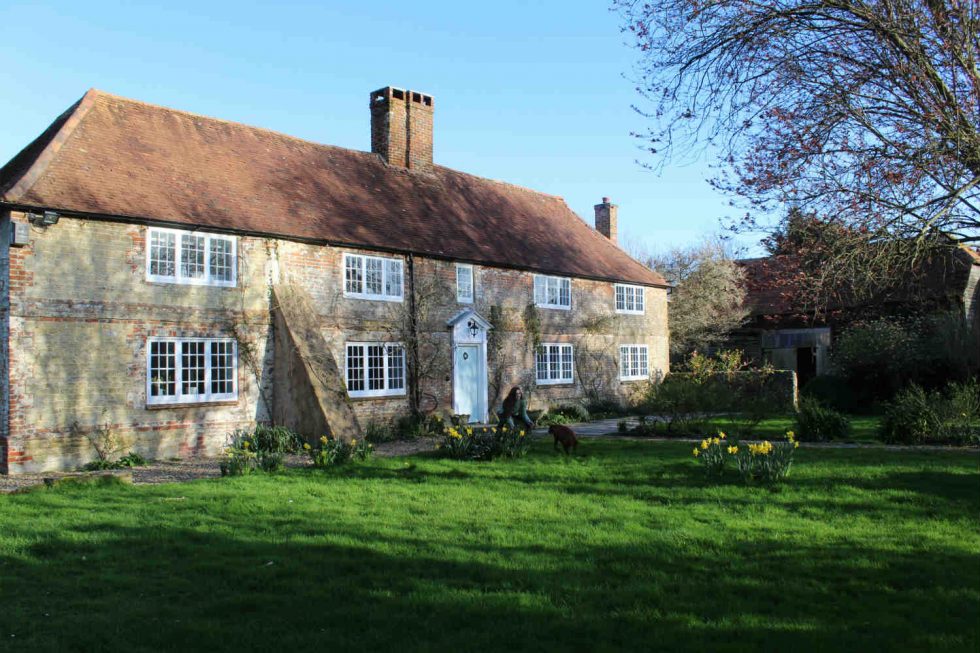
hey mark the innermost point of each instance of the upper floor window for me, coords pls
(552, 292)
(464, 283)
(373, 277)
(191, 370)
(633, 363)
(629, 299)
(553, 364)
(375, 369)
(190, 257)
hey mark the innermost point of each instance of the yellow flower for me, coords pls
(790, 435)
(323, 439)
(732, 449)
(696, 452)
(245, 444)
(704, 444)
(505, 429)
(715, 441)
(721, 434)
(469, 431)
(306, 446)
(796, 445)
(353, 441)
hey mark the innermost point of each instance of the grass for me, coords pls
(864, 428)
(623, 547)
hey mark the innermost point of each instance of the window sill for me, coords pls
(635, 379)
(553, 307)
(195, 404)
(374, 298)
(554, 384)
(361, 398)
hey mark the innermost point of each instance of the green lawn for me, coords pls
(621, 548)
(864, 428)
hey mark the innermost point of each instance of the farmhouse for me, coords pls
(168, 277)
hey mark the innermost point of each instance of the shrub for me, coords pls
(275, 439)
(330, 451)
(484, 443)
(622, 426)
(917, 416)
(270, 461)
(604, 408)
(131, 459)
(242, 458)
(571, 412)
(410, 427)
(817, 423)
(722, 385)
(831, 391)
(378, 432)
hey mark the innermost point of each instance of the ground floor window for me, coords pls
(553, 364)
(633, 363)
(375, 369)
(191, 370)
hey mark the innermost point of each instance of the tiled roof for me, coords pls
(110, 156)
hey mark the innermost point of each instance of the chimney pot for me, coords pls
(401, 127)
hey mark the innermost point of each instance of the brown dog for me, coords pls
(564, 435)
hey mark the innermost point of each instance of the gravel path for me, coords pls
(190, 469)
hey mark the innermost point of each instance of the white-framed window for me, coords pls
(373, 277)
(552, 292)
(191, 370)
(633, 364)
(465, 283)
(629, 299)
(191, 257)
(375, 369)
(554, 364)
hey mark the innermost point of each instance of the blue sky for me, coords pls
(533, 93)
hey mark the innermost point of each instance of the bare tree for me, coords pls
(707, 299)
(866, 112)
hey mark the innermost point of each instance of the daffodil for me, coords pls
(704, 444)
(732, 450)
(696, 452)
(323, 439)
(796, 445)
(721, 434)
(307, 446)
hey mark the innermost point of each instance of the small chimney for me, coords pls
(401, 127)
(605, 219)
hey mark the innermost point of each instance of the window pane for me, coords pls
(541, 363)
(192, 368)
(552, 290)
(639, 299)
(222, 368)
(192, 256)
(554, 362)
(540, 292)
(396, 367)
(221, 260)
(354, 274)
(355, 368)
(644, 369)
(464, 283)
(393, 278)
(163, 370)
(373, 275)
(162, 254)
(620, 298)
(376, 367)
(565, 298)
(566, 362)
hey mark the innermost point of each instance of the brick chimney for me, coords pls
(605, 220)
(401, 127)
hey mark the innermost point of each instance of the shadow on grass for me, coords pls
(183, 589)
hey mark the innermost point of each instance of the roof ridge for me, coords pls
(236, 123)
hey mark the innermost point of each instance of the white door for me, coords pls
(468, 386)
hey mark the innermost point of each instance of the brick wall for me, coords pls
(81, 311)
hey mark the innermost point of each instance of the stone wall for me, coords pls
(81, 311)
